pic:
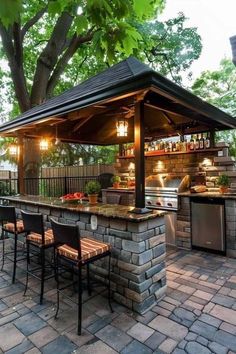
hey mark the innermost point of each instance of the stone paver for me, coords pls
(43, 336)
(197, 315)
(136, 347)
(224, 314)
(140, 332)
(60, 345)
(169, 327)
(10, 336)
(168, 345)
(196, 348)
(114, 337)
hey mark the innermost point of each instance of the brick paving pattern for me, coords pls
(197, 315)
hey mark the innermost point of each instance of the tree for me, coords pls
(51, 45)
(61, 28)
(218, 87)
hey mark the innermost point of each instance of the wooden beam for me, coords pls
(139, 159)
(81, 123)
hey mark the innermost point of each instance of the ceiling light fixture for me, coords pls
(122, 127)
(43, 144)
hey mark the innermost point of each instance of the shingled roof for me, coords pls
(122, 79)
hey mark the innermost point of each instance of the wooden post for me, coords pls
(139, 159)
(21, 174)
(212, 138)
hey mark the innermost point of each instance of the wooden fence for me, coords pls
(77, 171)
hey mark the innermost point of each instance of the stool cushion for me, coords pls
(89, 249)
(37, 238)
(11, 227)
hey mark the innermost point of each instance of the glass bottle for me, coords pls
(191, 145)
(201, 142)
(174, 146)
(197, 143)
(207, 142)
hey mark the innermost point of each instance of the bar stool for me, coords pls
(14, 227)
(39, 241)
(73, 253)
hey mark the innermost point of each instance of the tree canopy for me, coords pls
(218, 87)
(51, 45)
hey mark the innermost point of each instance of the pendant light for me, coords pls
(122, 127)
(43, 144)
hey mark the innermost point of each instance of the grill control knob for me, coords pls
(169, 204)
(158, 203)
(149, 203)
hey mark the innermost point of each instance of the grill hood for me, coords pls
(167, 182)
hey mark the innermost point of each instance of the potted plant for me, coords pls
(93, 188)
(116, 181)
(223, 183)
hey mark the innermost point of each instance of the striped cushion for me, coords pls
(89, 249)
(37, 238)
(11, 227)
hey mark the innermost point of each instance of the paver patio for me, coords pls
(197, 316)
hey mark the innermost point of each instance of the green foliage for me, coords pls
(93, 187)
(115, 179)
(223, 180)
(170, 47)
(218, 87)
(9, 11)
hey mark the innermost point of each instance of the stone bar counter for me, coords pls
(138, 277)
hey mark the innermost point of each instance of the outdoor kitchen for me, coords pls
(173, 181)
(168, 159)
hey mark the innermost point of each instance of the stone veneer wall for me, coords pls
(138, 276)
(230, 215)
(203, 162)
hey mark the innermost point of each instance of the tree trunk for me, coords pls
(32, 161)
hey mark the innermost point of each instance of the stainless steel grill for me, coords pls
(161, 190)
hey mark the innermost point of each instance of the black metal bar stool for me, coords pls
(39, 241)
(14, 227)
(73, 252)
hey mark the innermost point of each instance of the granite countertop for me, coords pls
(229, 195)
(107, 210)
(120, 190)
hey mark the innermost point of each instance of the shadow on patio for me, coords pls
(196, 316)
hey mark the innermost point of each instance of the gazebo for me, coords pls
(128, 93)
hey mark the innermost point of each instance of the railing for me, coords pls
(52, 186)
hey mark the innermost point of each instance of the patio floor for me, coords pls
(196, 316)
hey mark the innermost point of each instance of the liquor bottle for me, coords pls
(162, 146)
(177, 146)
(201, 142)
(170, 146)
(197, 143)
(191, 145)
(132, 150)
(207, 142)
(166, 146)
(174, 147)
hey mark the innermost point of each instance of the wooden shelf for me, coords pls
(160, 153)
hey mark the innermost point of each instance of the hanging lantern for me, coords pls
(13, 150)
(43, 144)
(122, 127)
